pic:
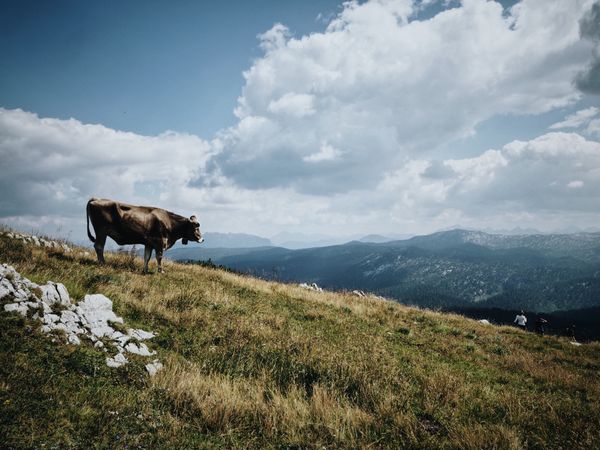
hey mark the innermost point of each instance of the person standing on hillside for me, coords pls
(539, 325)
(521, 320)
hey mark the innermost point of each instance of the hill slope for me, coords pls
(257, 364)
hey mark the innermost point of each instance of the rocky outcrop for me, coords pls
(38, 241)
(91, 319)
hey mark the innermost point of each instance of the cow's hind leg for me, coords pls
(159, 254)
(147, 255)
(99, 247)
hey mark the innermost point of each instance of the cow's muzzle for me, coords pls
(201, 240)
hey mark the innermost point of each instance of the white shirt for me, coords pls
(521, 320)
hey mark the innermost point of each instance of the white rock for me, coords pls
(140, 349)
(97, 310)
(117, 361)
(58, 326)
(577, 344)
(63, 293)
(50, 318)
(6, 288)
(122, 340)
(21, 308)
(101, 330)
(72, 327)
(50, 294)
(116, 335)
(98, 344)
(154, 367)
(73, 339)
(32, 305)
(484, 322)
(21, 295)
(140, 335)
(69, 316)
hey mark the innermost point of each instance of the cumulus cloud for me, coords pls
(576, 120)
(555, 173)
(296, 105)
(593, 127)
(326, 153)
(384, 88)
(575, 184)
(53, 166)
(588, 80)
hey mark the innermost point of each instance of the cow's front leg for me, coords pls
(159, 254)
(147, 255)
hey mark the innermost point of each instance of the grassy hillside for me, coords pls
(255, 364)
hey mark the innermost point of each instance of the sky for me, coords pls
(314, 117)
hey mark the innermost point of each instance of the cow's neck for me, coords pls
(178, 230)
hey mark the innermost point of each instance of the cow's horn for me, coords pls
(194, 219)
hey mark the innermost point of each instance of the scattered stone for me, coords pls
(73, 339)
(90, 318)
(154, 367)
(116, 361)
(55, 294)
(140, 335)
(50, 318)
(69, 316)
(16, 307)
(577, 344)
(97, 311)
(37, 241)
(141, 349)
(484, 322)
(312, 287)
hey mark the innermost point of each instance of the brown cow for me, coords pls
(155, 228)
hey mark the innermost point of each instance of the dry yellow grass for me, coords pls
(255, 364)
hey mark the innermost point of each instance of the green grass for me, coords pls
(254, 364)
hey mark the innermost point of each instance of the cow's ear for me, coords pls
(184, 241)
(194, 219)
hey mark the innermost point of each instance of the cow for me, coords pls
(155, 228)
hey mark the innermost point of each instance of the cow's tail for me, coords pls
(87, 211)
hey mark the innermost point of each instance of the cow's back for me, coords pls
(126, 224)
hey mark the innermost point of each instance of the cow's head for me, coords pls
(192, 231)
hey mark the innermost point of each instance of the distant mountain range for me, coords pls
(229, 240)
(450, 269)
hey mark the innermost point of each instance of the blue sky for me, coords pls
(142, 66)
(388, 116)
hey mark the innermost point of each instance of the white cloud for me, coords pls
(326, 153)
(296, 105)
(53, 166)
(593, 127)
(522, 177)
(575, 184)
(576, 120)
(384, 88)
